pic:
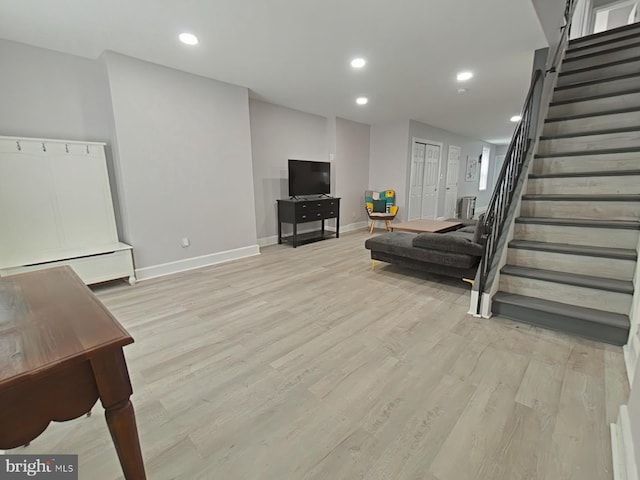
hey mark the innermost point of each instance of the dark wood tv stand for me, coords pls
(303, 210)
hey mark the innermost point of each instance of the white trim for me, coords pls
(622, 451)
(352, 227)
(266, 241)
(154, 271)
(630, 351)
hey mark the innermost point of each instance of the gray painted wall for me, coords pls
(351, 169)
(46, 94)
(278, 134)
(183, 152)
(470, 147)
(550, 13)
(387, 161)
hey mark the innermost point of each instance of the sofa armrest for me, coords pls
(447, 243)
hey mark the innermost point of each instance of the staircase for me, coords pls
(571, 262)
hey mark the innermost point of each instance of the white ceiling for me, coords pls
(296, 53)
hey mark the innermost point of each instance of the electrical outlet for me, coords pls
(185, 242)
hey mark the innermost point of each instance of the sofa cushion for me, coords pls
(479, 231)
(454, 242)
(470, 229)
(402, 244)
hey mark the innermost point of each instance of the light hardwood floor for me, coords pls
(306, 364)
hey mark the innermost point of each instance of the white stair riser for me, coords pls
(602, 47)
(590, 142)
(598, 73)
(593, 124)
(587, 163)
(569, 294)
(594, 210)
(579, 264)
(623, 54)
(612, 35)
(595, 237)
(604, 88)
(626, 184)
(631, 100)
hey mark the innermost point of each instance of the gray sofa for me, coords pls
(455, 254)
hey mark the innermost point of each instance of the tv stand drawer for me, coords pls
(309, 216)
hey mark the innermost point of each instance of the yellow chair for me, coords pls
(381, 206)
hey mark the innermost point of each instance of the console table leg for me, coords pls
(295, 235)
(122, 424)
(112, 379)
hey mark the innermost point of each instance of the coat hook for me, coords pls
(18, 146)
(66, 147)
(44, 147)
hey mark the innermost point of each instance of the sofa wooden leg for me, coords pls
(388, 224)
(373, 224)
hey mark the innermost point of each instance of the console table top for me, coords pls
(50, 319)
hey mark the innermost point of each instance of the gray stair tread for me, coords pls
(633, 128)
(605, 173)
(582, 198)
(605, 36)
(606, 151)
(595, 81)
(599, 66)
(593, 114)
(589, 314)
(586, 281)
(601, 52)
(593, 97)
(605, 252)
(575, 222)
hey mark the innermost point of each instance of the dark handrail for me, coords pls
(496, 214)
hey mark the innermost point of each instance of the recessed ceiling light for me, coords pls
(516, 118)
(188, 38)
(464, 76)
(362, 100)
(358, 62)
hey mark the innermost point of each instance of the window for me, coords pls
(484, 168)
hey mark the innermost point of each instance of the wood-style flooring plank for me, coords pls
(307, 364)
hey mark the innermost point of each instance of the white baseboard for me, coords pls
(630, 352)
(352, 227)
(622, 451)
(266, 241)
(146, 273)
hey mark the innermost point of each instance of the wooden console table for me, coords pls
(61, 350)
(296, 211)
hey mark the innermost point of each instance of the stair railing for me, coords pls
(493, 222)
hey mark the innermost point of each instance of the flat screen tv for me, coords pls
(309, 178)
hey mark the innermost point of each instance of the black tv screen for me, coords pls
(309, 178)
